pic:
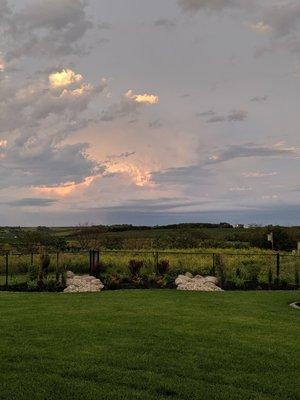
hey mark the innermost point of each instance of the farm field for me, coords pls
(149, 345)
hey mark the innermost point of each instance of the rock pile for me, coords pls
(82, 283)
(197, 283)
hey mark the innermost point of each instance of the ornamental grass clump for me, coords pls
(135, 267)
(162, 267)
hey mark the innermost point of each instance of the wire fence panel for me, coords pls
(263, 268)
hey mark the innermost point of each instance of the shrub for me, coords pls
(270, 276)
(44, 265)
(297, 280)
(99, 269)
(162, 267)
(32, 285)
(220, 268)
(135, 267)
(33, 272)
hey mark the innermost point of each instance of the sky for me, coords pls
(149, 112)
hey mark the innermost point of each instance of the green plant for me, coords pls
(162, 267)
(99, 269)
(44, 265)
(135, 267)
(270, 276)
(33, 272)
(297, 279)
(220, 268)
(32, 285)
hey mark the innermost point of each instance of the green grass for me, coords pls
(149, 345)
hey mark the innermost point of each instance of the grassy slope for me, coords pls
(149, 345)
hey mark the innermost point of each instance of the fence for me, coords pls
(265, 267)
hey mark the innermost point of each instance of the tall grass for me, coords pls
(237, 263)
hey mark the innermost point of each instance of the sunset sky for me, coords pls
(149, 112)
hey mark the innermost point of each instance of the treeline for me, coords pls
(176, 236)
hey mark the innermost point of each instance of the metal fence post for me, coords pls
(90, 260)
(277, 265)
(156, 259)
(57, 260)
(6, 270)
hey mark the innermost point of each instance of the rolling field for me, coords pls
(149, 345)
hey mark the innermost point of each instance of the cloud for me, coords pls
(202, 173)
(181, 175)
(258, 174)
(32, 202)
(52, 28)
(249, 150)
(217, 118)
(282, 21)
(207, 5)
(156, 124)
(237, 115)
(259, 99)
(129, 105)
(142, 98)
(240, 189)
(232, 116)
(260, 27)
(64, 78)
(159, 205)
(35, 119)
(207, 113)
(165, 23)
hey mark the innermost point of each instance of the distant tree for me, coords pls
(89, 237)
(282, 240)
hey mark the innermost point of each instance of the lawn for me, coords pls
(149, 345)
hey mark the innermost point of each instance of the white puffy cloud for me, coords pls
(64, 78)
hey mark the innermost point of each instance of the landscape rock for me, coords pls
(82, 284)
(198, 283)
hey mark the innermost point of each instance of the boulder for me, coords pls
(198, 283)
(82, 284)
(182, 279)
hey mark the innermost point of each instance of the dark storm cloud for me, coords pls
(32, 202)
